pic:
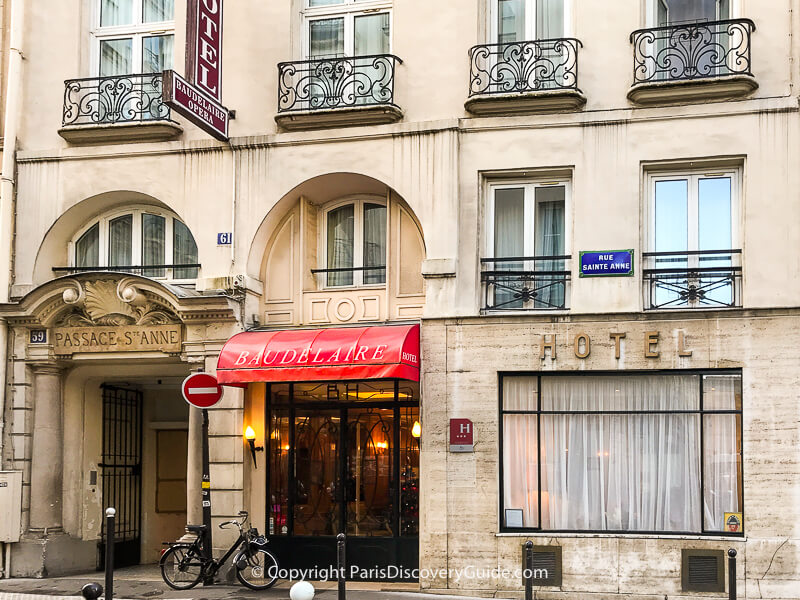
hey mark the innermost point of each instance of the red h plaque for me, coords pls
(461, 435)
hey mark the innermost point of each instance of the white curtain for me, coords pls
(374, 243)
(509, 240)
(520, 467)
(340, 244)
(184, 251)
(120, 233)
(154, 229)
(87, 249)
(549, 241)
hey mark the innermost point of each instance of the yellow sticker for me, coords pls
(733, 522)
(206, 485)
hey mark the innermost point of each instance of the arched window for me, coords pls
(354, 245)
(136, 238)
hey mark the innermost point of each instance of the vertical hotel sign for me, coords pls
(198, 96)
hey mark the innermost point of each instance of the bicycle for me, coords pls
(184, 565)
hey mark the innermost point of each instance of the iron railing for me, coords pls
(340, 82)
(525, 282)
(180, 271)
(114, 99)
(694, 279)
(524, 66)
(347, 275)
(689, 51)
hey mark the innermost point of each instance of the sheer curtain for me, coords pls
(509, 241)
(87, 248)
(520, 466)
(154, 229)
(340, 244)
(374, 243)
(120, 234)
(184, 251)
(549, 241)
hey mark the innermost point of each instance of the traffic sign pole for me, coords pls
(206, 496)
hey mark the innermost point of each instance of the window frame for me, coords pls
(358, 202)
(136, 239)
(700, 411)
(530, 21)
(136, 32)
(651, 13)
(348, 10)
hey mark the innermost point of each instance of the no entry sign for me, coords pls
(201, 390)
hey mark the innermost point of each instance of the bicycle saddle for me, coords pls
(195, 528)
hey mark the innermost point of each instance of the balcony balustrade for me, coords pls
(525, 283)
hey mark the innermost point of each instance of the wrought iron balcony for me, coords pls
(525, 283)
(697, 279)
(346, 276)
(180, 271)
(116, 99)
(692, 51)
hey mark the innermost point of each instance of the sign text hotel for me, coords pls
(128, 338)
(581, 344)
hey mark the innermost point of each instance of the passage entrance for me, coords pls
(344, 457)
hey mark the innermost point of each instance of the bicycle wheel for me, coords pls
(181, 567)
(260, 572)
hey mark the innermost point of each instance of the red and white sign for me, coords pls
(201, 390)
(208, 48)
(461, 435)
(195, 105)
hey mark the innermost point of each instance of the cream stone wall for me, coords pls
(460, 519)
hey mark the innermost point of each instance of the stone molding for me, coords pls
(526, 103)
(144, 131)
(698, 90)
(339, 117)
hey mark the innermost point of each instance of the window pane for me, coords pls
(372, 34)
(409, 471)
(340, 244)
(316, 468)
(722, 392)
(549, 19)
(681, 11)
(520, 470)
(621, 392)
(326, 38)
(278, 457)
(671, 206)
(158, 10)
(184, 251)
(153, 243)
(324, 2)
(87, 249)
(510, 21)
(157, 53)
(509, 240)
(714, 214)
(549, 241)
(520, 393)
(116, 57)
(722, 469)
(116, 12)
(375, 243)
(120, 241)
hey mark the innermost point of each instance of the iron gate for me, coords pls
(122, 471)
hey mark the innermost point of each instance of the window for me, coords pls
(355, 243)
(138, 238)
(674, 12)
(525, 20)
(335, 28)
(633, 452)
(134, 36)
(527, 221)
(693, 238)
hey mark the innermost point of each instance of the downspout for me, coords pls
(7, 186)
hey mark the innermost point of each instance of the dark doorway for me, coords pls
(121, 470)
(344, 457)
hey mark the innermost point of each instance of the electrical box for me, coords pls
(11, 501)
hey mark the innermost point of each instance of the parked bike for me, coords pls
(183, 565)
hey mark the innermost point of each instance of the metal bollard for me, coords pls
(527, 566)
(92, 591)
(110, 539)
(341, 565)
(731, 574)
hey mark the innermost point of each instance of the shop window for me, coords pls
(646, 453)
(143, 241)
(526, 20)
(336, 28)
(355, 244)
(526, 267)
(693, 259)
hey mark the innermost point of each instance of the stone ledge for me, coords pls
(339, 117)
(695, 90)
(525, 103)
(106, 133)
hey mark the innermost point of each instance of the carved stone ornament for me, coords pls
(108, 302)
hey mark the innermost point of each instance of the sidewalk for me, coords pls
(145, 583)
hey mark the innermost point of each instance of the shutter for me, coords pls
(702, 570)
(546, 565)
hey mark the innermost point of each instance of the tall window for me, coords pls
(134, 36)
(138, 238)
(675, 12)
(335, 28)
(525, 20)
(527, 220)
(355, 243)
(654, 453)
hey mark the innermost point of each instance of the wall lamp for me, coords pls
(250, 436)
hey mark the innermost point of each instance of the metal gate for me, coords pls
(122, 471)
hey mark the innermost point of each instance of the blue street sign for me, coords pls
(607, 263)
(224, 239)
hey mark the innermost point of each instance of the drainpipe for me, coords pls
(7, 185)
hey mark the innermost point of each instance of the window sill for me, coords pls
(652, 536)
(526, 103)
(339, 117)
(107, 133)
(695, 90)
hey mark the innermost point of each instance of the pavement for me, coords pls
(144, 583)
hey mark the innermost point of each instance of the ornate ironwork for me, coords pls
(692, 51)
(341, 82)
(525, 283)
(114, 99)
(524, 66)
(696, 279)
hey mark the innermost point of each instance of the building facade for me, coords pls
(569, 223)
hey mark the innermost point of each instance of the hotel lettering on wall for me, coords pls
(126, 338)
(580, 344)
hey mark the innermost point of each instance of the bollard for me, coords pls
(110, 539)
(527, 567)
(92, 591)
(731, 574)
(341, 565)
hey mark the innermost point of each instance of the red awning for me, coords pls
(390, 351)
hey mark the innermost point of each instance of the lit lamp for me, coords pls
(250, 436)
(416, 430)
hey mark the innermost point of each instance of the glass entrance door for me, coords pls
(344, 459)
